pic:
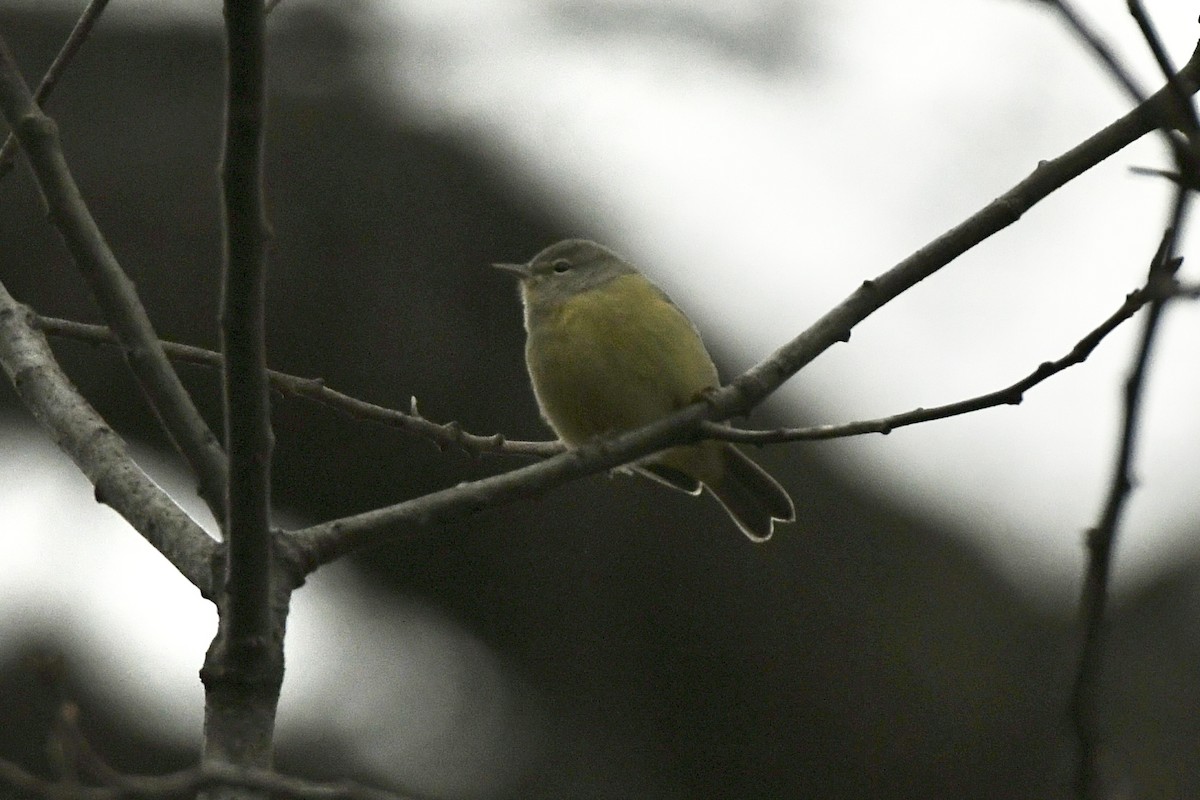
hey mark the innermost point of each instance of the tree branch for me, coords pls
(78, 758)
(79, 34)
(82, 759)
(1012, 394)
(448, 434)
(248, 437)
(750, 389)
(97, 450)
(452, 434)
(1101, 540)
(322, 543)
(243, 670)
(1187, 113)
(113, 290)
(1102, 51)
(186, 783)
(1182, 114)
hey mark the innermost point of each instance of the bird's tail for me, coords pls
(752, 497)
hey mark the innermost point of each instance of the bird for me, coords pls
(607, 351)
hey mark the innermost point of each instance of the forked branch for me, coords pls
(97, 450)
(114, 292)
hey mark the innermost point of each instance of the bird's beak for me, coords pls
(520, 270)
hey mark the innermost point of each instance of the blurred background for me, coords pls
(912, 635)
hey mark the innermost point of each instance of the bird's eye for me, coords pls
(560, 265)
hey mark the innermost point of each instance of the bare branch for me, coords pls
(1101, 540)
(1163, 268)
(322, 543)
(1012, 394)
(186, 783)
(243, 670)
(79, 34)
(1187, 114)
(83, 760)
(447, 434)
(114, 784)
(97, 450)
(248, 437)
(113, 290)
(748, 390)
(1102, 51)
(1181, 114)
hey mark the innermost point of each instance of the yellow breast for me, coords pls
(613, 358)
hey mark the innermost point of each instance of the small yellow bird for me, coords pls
(608, 351)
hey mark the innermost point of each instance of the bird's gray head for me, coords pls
(565, 269)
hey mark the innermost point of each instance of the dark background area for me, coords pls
(861, 653)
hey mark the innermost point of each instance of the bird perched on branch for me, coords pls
(608, 351)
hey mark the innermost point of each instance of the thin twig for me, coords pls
(448, 434)
(97, 450)
(1181, 114)
(1101, 540)
(1102, 51)
(79, 34)
(452, 434)
(1185, 146)
(749, 389)
(114, 292)
(1009, 395)
(322, 543)
(1187, 113)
